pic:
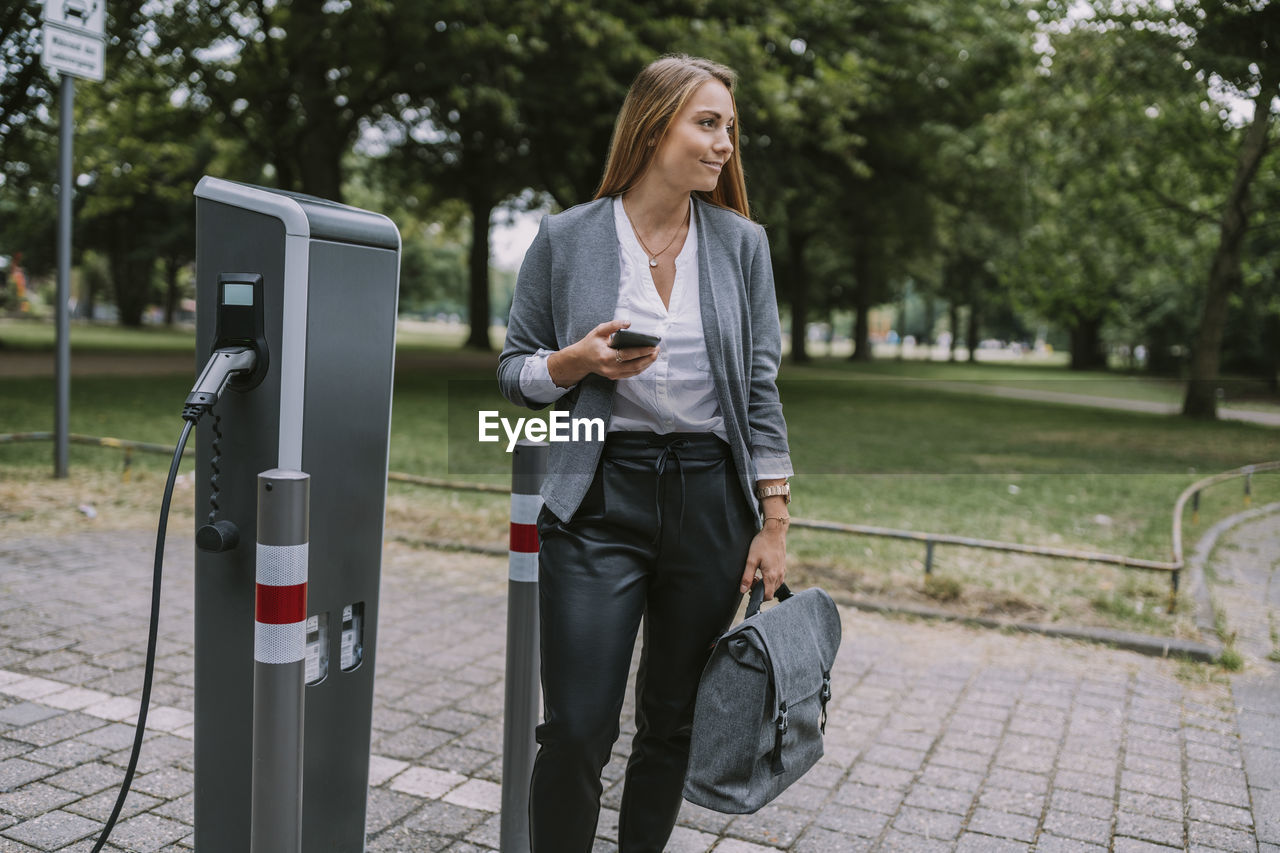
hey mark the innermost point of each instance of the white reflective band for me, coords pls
(523, 567)
(525, 509)
(279, 643)
(282, 565)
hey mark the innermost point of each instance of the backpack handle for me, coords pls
(782, 593)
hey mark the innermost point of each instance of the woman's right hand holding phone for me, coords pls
(593, 354)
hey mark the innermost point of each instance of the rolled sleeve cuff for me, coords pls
(771, 465)
(535, 379)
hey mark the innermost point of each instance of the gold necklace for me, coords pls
(653, 257)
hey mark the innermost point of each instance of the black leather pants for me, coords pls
(663, 533)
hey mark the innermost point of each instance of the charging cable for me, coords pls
(223, 365)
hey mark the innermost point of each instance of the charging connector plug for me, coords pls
(223, 364)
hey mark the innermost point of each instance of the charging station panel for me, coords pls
(319, 282)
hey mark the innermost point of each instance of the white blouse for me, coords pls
(677, 392)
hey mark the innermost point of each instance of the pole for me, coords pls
(279, 673)
(63, 367)
(520, 717)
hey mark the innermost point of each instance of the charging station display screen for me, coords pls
(237, 294)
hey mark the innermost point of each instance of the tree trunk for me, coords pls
(1086, 344)
(1224, 272)
(971, 330)
(863, 288)
(930, 318)
(319, 166)
(953, 316)
(171, 290)
(798, 279)
(902, 324)
(478, 303)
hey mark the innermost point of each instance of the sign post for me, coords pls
(74, 31)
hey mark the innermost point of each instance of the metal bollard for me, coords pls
(279, 642)
(520, 716)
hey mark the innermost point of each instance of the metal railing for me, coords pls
(930, 540)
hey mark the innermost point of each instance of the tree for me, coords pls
(1239, 42)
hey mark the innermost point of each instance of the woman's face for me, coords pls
(696, 146)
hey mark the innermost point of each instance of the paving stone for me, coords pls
(892, 756)
(427, 782)
(99, 806)
(35, 799)
(940, 799)
(930, 824)
(1079, 827)
(950, 777)
(1145, 804)
(381, 769)
(52, 830)
(1050, 843)
(1159, 786)
(16, 772)
(815, 839)
(852, 821)
(1017, 802)
(772, 826)
(1149, 829)
(1223, 815)
(148, 832)
(972, 842)
(882, 777)
(68, 753)
(1202, 834)
(874, 799)
(1004, 825)
(1267, 815)
(26, 713)
(1152, 766)
(445, 818)
(1134, 845)
(55, 729)
(907, 843)
(167, 783)
(1017, 780)
(961, 760)
(182, 809)
(1263, 765)
(1213, 754)
(1077, 802)
(385, 808)
(1217, 784)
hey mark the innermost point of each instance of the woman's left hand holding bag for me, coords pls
(768, 552)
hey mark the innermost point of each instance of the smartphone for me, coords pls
(625, 339)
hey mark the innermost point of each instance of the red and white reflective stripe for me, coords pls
(523, 565)
(280, 620)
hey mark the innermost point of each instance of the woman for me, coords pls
(662, 519)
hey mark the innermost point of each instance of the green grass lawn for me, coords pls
(1242, 392)
(865, 451)
(39, 336)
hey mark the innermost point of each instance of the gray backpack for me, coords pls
(761, 710)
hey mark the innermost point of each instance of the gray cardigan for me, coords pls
(568, 285)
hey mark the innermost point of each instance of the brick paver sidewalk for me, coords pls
(941, 737)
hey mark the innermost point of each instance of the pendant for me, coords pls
(653, 262)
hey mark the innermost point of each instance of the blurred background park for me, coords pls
(1027, 253)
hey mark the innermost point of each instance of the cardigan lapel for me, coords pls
(597, 270)
(707, 298)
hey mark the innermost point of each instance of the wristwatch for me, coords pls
(763, 492)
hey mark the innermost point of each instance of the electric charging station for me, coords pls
(310, 287)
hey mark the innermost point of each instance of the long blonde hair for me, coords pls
(654, 99)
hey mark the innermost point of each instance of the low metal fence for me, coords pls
(930, 541)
